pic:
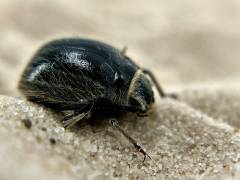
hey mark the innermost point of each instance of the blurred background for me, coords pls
(193, 47)
(186, 43)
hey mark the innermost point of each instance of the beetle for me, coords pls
(83, 78)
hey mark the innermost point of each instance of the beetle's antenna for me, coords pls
(156, 83)
(115, 124)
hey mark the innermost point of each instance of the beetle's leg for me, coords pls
(115, 124)
(67, 123)
(124, 50)
(159, 88)
(71, 119)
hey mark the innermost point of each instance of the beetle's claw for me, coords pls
(145, 156)
(172, 96)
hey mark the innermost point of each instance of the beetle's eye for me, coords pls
(118, 80)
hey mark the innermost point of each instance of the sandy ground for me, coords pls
(192, 47)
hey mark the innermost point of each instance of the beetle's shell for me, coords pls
(69, 73)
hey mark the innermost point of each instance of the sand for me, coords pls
(192, 47)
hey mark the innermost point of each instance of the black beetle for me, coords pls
(82, 77)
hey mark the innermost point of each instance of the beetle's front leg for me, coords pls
(158, 86)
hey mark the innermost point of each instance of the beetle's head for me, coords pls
(140, 94)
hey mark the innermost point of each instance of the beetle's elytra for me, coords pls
(82, 77)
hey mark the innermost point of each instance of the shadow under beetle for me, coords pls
(82, 77)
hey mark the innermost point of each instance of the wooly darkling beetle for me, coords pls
(82, 78)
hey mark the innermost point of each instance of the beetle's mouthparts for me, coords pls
(139, 103)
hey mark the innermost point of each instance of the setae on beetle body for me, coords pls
(79, 75)
(82, 77)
